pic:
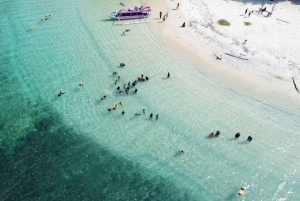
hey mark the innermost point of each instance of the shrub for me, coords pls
(223, 22)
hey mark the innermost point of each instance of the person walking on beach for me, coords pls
(246, 11)
(168, 75)
(164, 17)
(177, 7)
(160, 13)
(249, 13)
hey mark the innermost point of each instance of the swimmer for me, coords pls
(127, 30)
(119, 78)
(116, 81)
(48, 15)
(137, 114)
(156, 117)
(249, 139)
(116, 106)
(120, 103)
(123, 112)
(120, 92)
(109, 109)
(80, 85)
(143, 110)
(135, 90)
(128, 84)
(151, 115)
(124, 33)
(118, 88)
(237, 135)
(60, 93)
(181, 151)
(103, 97)
(114, 73)
(125, 86)
(241, 191)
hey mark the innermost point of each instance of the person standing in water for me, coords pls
(156, 117)
(151, 115)
(168, 75)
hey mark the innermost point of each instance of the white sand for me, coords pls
(272, 46)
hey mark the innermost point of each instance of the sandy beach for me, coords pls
(262, 56)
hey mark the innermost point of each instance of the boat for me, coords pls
(131, 13)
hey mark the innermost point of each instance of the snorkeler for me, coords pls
(241, 191)
(60, 93)
(143, 110)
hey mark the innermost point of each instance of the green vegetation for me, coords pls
(223, 22)
(247, 23)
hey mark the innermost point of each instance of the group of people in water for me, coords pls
(127, 88)
(237, 135)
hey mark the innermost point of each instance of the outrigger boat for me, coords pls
(131, 13)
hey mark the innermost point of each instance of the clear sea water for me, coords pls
(72, 148)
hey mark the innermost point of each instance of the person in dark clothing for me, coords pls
(60, 93)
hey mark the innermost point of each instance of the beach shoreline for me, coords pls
(275, 87)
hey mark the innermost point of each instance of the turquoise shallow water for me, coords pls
(72, 148)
